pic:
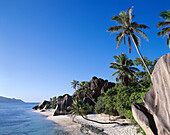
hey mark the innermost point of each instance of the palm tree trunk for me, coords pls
(141, 56)
(91, 98)
(121, 124)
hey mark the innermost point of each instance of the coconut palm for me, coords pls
(124, 67)
(85, 88)
(166, 24)
(77, 109)
(75, 84)
(128, 28)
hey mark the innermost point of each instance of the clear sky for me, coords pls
(45, 44)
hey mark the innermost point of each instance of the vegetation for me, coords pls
(166, 24)
(124, 67)
(79, 108)
(132, 83)
(128, 28)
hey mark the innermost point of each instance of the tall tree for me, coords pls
(166, 26)
(124, 67)
(128, 28)
(75, 84)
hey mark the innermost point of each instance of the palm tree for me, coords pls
(75, 84)
(124, 67)
(85, 88)
(128, 28)
(77, 109)
(166, 30)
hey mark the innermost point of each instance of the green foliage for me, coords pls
(119, 99)
(100, 107)
(48, 105)
(87, 109)
(165, 26)
(79, 108)
(109, 101)
(54, 100)
(75, 84)
(59, 98)
(53, 107)
(124, 98)
(124, 68)
(150, 63)
(127, 28)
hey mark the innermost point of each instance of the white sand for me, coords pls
(65, 123)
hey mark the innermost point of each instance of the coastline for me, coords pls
(65, 122)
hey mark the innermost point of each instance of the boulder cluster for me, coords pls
(98, 87)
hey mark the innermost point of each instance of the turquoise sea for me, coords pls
(19, 119)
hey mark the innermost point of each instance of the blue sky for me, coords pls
(44, 44)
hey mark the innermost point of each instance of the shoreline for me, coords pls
(65, 122)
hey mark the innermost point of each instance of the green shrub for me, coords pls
(109, 101)
(87, 109)
(48, 105)
(100, 107)
(53, 107)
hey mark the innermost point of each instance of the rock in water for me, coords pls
(41, 105)
(154, 114)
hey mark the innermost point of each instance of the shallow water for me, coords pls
(19, 119)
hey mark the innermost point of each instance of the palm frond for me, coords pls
(136, 25)
(165, 15)
(164, 31)
(119, 35)
(115, 73)
(120, 40)
(167, 31)
(162, 24)
(136, 39)
(129, 13)
(141, 33)
(134, 68)
(118, 19)
(115, 29)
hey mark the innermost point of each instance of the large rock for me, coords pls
(99, 86)
(107, 85)
(154, 114)
(41, 105)
(63, 104)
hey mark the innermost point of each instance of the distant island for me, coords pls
(10, 100)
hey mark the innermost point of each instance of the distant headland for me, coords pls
(10, 100)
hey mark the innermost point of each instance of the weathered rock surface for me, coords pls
(63, 104)
(154, 114)
(41, 105)
(99, 86)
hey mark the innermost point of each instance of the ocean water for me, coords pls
(19, 119)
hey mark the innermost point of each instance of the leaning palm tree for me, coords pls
(77, 109)
(128, 28)
(124, 67)
(166, 24)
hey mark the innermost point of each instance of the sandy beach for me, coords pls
(65, 122)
